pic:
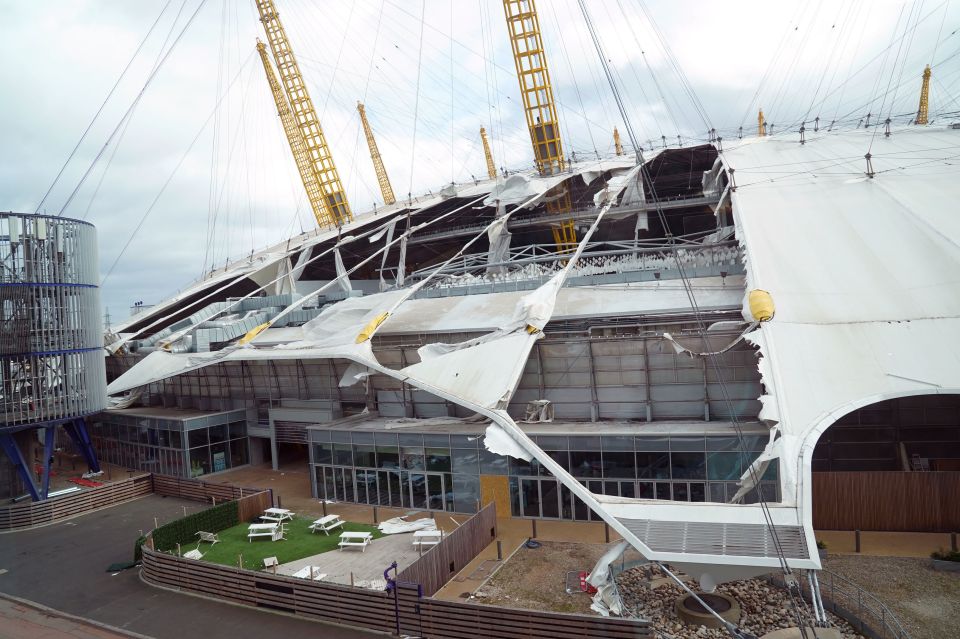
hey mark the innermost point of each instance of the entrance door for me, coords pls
(436, 491)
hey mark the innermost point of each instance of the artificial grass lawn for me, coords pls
(299, 543)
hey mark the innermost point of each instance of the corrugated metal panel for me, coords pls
(291, 432)
(708, 538)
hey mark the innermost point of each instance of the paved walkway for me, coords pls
(20, 619)
(64, 566)
(351, 566)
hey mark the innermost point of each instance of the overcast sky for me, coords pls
(200, 171)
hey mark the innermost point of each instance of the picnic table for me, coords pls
(277, 515)
(310, 572)
(427, 537)
(326, 523)
(355, 539)
(271, 530)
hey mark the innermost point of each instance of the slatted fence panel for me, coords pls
(892, 501)
(197, 490)
(439, 564)
(39, 513)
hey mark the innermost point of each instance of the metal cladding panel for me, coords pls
(717, 538)
(51, 336)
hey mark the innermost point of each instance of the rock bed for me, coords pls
(764, 607)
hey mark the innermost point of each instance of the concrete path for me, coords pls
(352, 564)
(21, 619)
(63, 566)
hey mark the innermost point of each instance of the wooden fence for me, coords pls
(375, 610)
(41, 513)
(197, 490)
(436, 567)
(893, 501)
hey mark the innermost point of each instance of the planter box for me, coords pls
(946, 566)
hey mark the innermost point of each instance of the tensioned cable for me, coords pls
(698, 315)
(132, 106)
(175, 169)
(416, 104)
(100, 110)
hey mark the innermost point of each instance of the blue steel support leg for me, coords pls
(48, 435)
(13, 453)
(77, 429)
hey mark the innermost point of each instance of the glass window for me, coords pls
(723, 443)
(645, 490)
(617, 442)
(163, 438)
(238, 452)
(515, 497)
(410, 439)
(198, 437)
(464, 441)
(465, 461)
(688, 465)
(340, 436)
(562, 457)
(523, 467)
(364, 456)
(436, 441)
(320, 435)
(218, 433)
(723, 465)
(323, 453)
(651, 444)
(438, 459)
(199, 461)
(552, 442)
(663, 490)
(493, 464)
(412, 457)
(586, 464)
(698, 491)
(238, 430)
(388, 457)
(466, 493)
(619, 464)
(385, 439)
(219, 457)
(687, 444)
(176, 440)
(653, 465)
(360, 437)
(584, 443)
(343, 454)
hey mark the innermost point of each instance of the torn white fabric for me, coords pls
(750, 477)
(343, 280)
(355, 373)
(399, 525)
(499, 238)
(402, 264)
(383, 261)
(607, 601)
(709, 341)
(497, 441)
(601, 571)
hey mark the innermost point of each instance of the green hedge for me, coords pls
(184, 531)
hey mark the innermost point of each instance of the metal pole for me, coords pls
(857, 539)
(499, 550)
(606, 532)
(953, 541)
(533, 526)
(324, 505)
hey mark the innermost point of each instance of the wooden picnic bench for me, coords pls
(326, 524)
(207, 536)
(427, 537)
(355, 540)
(273, 531)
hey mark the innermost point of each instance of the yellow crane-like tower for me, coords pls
(761, 124)
(924, 97)
(382, 178)
(294, 138)
(536, 91)
(616, 141)
(491, 167)
(336, 209)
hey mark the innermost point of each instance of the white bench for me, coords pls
(270, 562)
(273, 531)
(207, 536)
(310, 572)
(277, 515)
(326, 524)
(355, 539)
(427, 537)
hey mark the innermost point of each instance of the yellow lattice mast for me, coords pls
(761, 124)
(382, 178)
(536, 91)
(616, 141)
(294, 137)
(335, 205)
(924, 97)
(491, 167)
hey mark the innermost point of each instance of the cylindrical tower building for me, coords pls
(51, 336)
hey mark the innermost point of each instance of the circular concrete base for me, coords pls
(690, 612)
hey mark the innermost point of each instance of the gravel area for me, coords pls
(926, 601)
(536, 578)
(764, 608)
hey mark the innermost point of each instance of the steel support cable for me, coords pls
(214, 149)
(787, 77)
(892, 70)
(127, 121)
(183, 158)
(903, 65)
(847, 37)
(130, 109)
(416, 104)
(831, 55)
(104, 104)
(699, 317)
(573, 77)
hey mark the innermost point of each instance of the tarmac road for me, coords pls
(63, 566)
